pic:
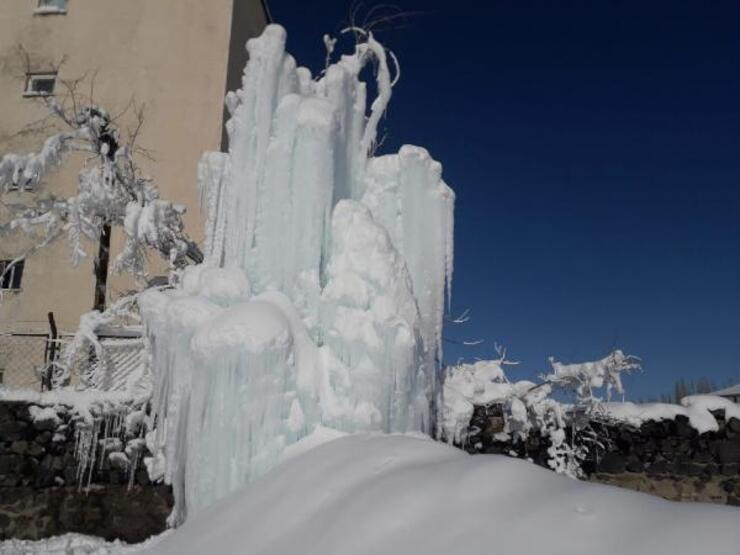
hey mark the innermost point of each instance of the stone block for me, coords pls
(612, 463)
(729, 452)
(5, 415)
(730, 469)
(19, 447)
(13, 430)
(9, 463)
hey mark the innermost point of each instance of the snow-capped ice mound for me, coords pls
(223, 286)
(321, 299)
(370, 320)
(254, 326)
(396, 494)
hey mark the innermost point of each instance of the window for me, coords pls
(13, 187)
(40, 84)
(51, 6)
(10, 275)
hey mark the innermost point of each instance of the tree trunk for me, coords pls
(101, 268)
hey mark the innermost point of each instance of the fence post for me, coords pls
(50, 354)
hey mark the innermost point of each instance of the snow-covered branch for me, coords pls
(530, 407)
(111, 192)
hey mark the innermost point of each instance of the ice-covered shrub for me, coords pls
(538, 408)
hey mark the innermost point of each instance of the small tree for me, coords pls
(111, 192)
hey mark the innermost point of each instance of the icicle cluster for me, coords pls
(322, 295)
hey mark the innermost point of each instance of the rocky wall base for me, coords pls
(720, 490)
(668, 458)
(44, 491)
(112, 512)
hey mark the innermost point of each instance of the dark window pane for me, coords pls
(42, 85)
(17, 274)
(11, 279)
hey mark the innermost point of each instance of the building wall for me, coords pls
(169, 56)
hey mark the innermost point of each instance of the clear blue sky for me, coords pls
(594, 147)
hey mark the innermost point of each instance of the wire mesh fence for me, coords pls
(26, 361)
(112, 366)
(23, 359)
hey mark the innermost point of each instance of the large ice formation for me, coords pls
(321, 299)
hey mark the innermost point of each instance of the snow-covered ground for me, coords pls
(387, 494)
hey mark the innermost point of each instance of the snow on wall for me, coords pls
(321, 299)
(695, 407)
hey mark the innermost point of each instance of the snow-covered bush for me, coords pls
(533, 408)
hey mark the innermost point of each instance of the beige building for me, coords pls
(177, 58)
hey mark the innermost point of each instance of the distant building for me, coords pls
(732, 393)
(175, 57)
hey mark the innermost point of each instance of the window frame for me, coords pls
(16, 188)
(33, 76)
(50, 9)
(14, 278)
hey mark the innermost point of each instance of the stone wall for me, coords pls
(40, 489)
(667, 457)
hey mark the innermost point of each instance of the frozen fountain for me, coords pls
(322, 296)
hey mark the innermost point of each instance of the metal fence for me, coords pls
(26, 361)
(120, 359)
(23, 359)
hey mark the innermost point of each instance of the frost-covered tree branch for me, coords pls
(111, 192)
(85, 342)
(533, 407)
(585, 378)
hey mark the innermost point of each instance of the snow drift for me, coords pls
(321, 299)
(398, 494)
(389, 494)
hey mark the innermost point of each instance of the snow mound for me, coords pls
(253, 326)
(222, 286)
(695, 407)
(44, 416)
(712, 403)
(467, 385)
(83, 403)
(396, 494)
(73, 544)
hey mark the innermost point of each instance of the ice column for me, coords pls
(322, 296)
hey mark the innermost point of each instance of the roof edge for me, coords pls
(268, 14)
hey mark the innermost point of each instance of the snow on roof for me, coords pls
(728, 391)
